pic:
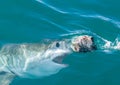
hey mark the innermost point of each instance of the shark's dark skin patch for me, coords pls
(57, 44)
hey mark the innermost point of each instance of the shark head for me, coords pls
(47, 63)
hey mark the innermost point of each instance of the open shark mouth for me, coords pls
(58, 55)
(58, 60)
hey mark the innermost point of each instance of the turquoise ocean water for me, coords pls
(30, 21)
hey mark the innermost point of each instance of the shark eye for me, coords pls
(75, 48)
(57, 44)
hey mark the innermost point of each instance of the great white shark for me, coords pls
(39, 60)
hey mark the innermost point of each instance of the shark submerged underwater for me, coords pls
(33, 61)
(38, 60)
(30, 61)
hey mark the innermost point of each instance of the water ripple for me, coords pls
(52, 7)
(114, 22)
(55, 24)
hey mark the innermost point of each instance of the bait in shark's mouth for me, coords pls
(83, 44)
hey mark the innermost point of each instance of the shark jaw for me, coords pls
(50, 63)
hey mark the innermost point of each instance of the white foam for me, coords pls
(116, 44)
